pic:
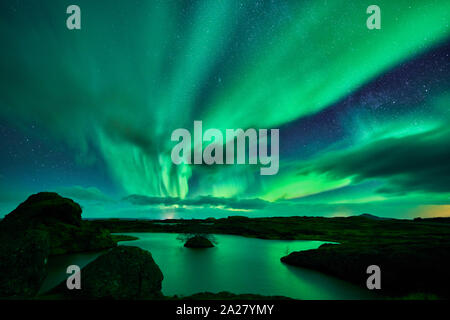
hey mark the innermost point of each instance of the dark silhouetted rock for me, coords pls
(124, 272)
(45, 224)
(44, 208)
(405, 267)
(198, 242)
(60, 218)
(23, 263)
(69, 239)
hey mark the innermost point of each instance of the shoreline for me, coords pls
(336, 229)
(414, 255)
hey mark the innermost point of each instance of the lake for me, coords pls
(237, 264)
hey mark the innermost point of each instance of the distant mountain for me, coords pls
(434, 219)
(372, 217)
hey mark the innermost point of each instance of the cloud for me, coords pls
(82, 193)
(233, 203)
(419, 162)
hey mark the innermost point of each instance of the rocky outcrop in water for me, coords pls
(198, 242)
(406, 267)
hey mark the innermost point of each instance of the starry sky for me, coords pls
(363, 114)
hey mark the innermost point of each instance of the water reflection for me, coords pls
(237, 264)
(57, 266)
(241, 265)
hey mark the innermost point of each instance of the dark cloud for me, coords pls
(82, 193)
(419, 162)
(232, 203)
(135, 134)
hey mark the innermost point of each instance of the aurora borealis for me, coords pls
(363, 114)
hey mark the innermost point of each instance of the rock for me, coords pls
(123, 237)
(198, 242)
(339, 260)
(69, 239)
(23, 263)
(124, 272)
(44, 208)
(406, 267)
(45, 224)
(60, 218)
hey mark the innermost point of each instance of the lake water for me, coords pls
(241, 265)
(57, 267)
(237, 264)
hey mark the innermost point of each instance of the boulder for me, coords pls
(23, 263)
(124, 272)
(198, 242)
(45, 224)
(60, 218)
(44, 208)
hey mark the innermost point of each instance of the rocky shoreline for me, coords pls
(414, 255)
(47, 225)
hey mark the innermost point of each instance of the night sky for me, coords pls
(363, 114)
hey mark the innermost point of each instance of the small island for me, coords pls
(198, 242)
